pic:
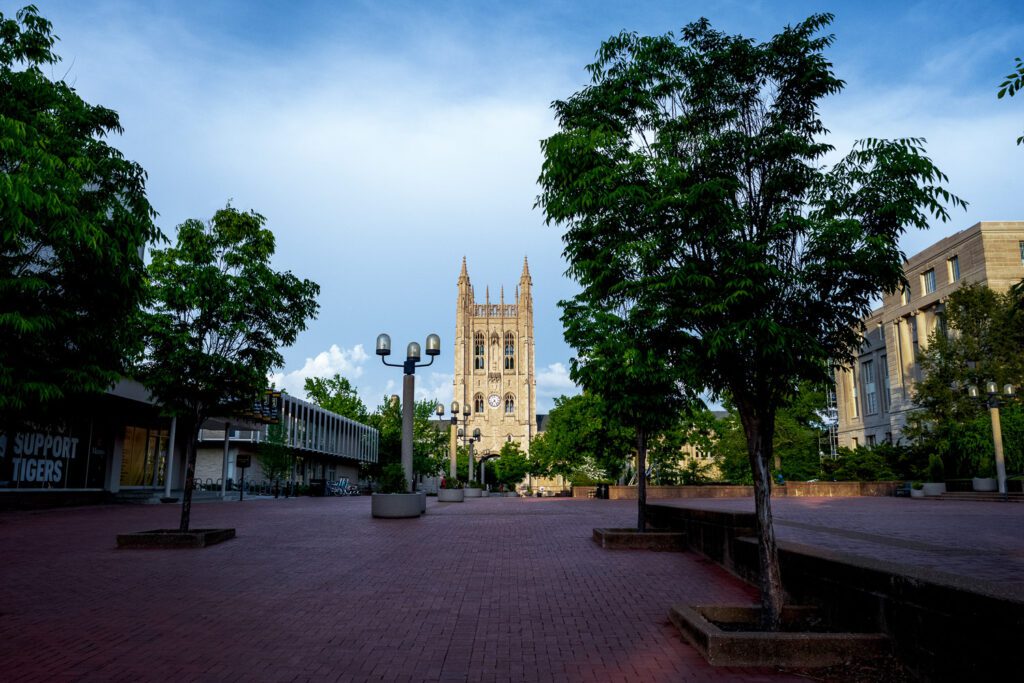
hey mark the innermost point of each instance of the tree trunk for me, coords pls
(759, 431)
(641, 481)
(190, 475)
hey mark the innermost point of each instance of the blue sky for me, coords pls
(385, 141)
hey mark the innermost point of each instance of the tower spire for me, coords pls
(463, 274)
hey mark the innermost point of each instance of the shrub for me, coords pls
(392, 479)
(936, 472)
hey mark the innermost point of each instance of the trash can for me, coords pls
(318, 487)
(602, 491)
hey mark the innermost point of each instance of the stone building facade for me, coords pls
(875, 395)
(494, 364)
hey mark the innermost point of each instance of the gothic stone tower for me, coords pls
(494, 364)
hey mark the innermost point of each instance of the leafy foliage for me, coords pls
(511, 467)
(581, 441)
(218, 318)
(74, 220)
(688, 177)
(392, 479)
(275, 456)
(859, 464)
(430, 445)
(987, 335)
(337, 395)
(1013, 84)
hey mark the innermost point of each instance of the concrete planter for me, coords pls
(472, 493)
(984, 484)
(917, 493)
(636, 540)
(172, 538)
(932, 488)
(484, 493)
(451, 495)
(397, 505)
(788, 647)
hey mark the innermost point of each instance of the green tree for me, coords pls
(621, 361)
(1013, 84)
(688, 177)
(581, 442)
(337, 395)
(511, 467)
(430, 445)
(984, 344)
(74, 220)
(276, 457)
(218, 318)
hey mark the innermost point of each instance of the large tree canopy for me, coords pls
(74, 221)
(337, 395)
(688, 177)
(219, 316)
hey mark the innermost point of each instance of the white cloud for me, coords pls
(346, 362)
(436, 386)
(552, 382)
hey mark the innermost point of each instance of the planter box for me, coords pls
(484, 493)
(917, 493)
(451, 495)
(984, 484)
(172, 538)
(727, 647)
(636, 540)
(472, 493)
(396, 505)
(934, 489)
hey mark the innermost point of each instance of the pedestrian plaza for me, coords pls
(494, 589)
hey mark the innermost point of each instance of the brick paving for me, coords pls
(315, 589)
(981, 542)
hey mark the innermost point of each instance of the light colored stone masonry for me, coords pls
(875, 395)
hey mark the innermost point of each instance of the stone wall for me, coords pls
(827, 489)
(944, 628)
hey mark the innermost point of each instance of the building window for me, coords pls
(928, 281)
(478, 403)
(870, 440)
(510, 351)
(953, 266)
(510, 404)
(867, 375)
(1021, 245)
(856, 443)
(478, 351)
(904, 296)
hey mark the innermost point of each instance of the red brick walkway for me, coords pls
(315, 589)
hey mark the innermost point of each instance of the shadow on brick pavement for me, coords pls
(315, 589)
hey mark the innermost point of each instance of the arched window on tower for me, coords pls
(510, 404)
(510, 351)
(478, 351)
(478, 403)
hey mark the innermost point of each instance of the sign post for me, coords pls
(242, 461)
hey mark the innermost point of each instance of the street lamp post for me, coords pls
(412, 357)
(453, 441)
(992, 389)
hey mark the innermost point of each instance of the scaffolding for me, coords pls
(828, 440)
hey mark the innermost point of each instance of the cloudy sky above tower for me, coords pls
(384, 141)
